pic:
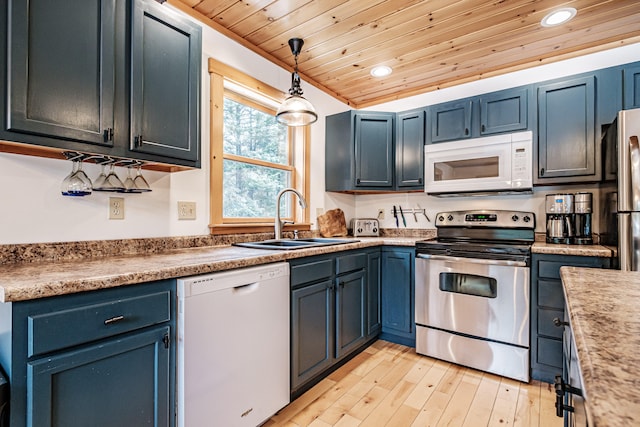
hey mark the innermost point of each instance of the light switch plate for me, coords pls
(187, 210)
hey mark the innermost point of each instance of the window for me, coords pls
(252, 156)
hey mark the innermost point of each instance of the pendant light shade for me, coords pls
(296, 110)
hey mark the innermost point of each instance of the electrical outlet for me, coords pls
(186, 210)
(116, 208)
(380, 213)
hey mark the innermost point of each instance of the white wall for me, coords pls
(34, 211)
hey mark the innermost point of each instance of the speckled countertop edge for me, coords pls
(577, 250)
(604, 312)
(25, 281)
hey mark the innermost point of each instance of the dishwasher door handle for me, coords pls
(246, 289)
(448, 258)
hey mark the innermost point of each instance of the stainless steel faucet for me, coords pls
(279, 223)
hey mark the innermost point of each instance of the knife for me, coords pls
(404, 221)
(395, 215)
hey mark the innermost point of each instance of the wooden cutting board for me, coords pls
(332, 223)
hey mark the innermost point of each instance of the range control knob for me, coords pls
(359, 229)
(515, 218)
(440, 218)
(526, 218)
(450, 217)
(375, 229)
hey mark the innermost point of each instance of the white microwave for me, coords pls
(494, 164)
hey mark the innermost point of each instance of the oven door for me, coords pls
(487, 299)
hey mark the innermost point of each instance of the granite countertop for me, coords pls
(604, 310)
(25, 281)
(580, 250)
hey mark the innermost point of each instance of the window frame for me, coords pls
(298, 164)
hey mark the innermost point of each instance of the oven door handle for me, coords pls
(504, 262)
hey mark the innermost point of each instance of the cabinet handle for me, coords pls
(562, 388)
(482, 128)
(559, 323)
(419, 180)
(108, 135)
(341, 284)
(466, 131)
(357, 180)
(113, 320)
(138, 140)
(166, 340)
(542, 172)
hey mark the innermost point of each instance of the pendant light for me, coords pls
(295, 110)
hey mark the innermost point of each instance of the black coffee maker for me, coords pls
(582, 212)
(559, 210)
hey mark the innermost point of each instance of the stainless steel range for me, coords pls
(472, 291)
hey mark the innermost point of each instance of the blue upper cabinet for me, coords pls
(359, 151)
(409, 146)
(632, 86)
(484, 115)
(566, 130)
(62, 69)
(504, 111)
(450, 121)
(165, 49)
(94, 77)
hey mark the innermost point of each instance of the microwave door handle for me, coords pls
(634, 157)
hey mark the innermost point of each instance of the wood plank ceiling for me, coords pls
(430, 44)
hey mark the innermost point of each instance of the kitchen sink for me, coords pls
(290, 244)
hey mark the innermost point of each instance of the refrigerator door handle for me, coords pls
(634, 157)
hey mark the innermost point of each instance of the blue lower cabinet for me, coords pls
(101, 358)
(547, 304)
(121, 382)
(334, 312)
(398, 295)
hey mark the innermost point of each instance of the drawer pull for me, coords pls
(113, 320)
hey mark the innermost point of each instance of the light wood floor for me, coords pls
(390, 385)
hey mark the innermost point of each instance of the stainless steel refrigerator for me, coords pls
(620, 218)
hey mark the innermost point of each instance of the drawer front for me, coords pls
(311, 271)
(550, 352)
(57, 330)
(550, 269)
(550, 294)
(546, 325)
(351, 262)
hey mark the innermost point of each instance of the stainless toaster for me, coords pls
(365, 227)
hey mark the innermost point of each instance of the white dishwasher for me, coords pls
(233, 346)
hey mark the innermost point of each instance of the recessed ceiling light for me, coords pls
(381, 71)
(558, 16)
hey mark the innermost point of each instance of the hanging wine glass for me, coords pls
(140, 183)
(75, 183)
(112, 182)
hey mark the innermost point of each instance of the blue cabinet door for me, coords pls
(351, 312)
(450, 121)
(373, 146)
(409, 147)
(504, 111)
(62, 70)
(398, 295)
(566, 130)
(374, 280)
(165, 93)
(311, 331)
(631, 83)
(123, 382)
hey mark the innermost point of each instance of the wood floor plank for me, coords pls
(456, 411)
(326, 400)
(389, 405)
(368, 403)
(481, 406)
(427, 385)
(528, 407)
(390, 385)
(504, 407)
